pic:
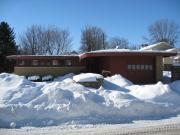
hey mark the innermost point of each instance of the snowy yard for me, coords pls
(157, 127)
(65, 102)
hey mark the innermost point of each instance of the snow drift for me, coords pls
(26, 103)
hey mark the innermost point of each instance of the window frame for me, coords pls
(68, 62)
(55, 62)
(35, 62)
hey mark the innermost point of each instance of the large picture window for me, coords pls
(21, 63)
(35, 63)
(55, 63)
(67, 63)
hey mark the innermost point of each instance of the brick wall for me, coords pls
(175, 73)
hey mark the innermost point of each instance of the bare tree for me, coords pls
(38, 40)
(92, 38)
(30, 40)
(57, 41)
(63, 42)
(117, 42)
(163, 30)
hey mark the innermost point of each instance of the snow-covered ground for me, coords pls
(166, 76)
(65, 102)
(169, 126)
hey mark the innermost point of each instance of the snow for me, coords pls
(62, 78)
(173, 50)
(33, 78)
(170, 126)
(87, 77)
(63, 101)
(166, 77)
(154, 46)
(175, 86)
(116, 81)
(167, 74)
(125, 50)
(47, 78)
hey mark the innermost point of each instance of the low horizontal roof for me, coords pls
(157, 46)
(43, 57)
(99, 53)
(126, 52)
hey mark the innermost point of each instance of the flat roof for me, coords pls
(43, 57)
(126, 52)
(157, 46)
(98, 53)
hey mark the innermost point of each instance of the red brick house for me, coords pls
(137, 66)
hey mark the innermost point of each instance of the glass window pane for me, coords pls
(55, 62)
(150, 67)
(142, 67)
(133, 67)
(21, 63)
(146, 67)
(68, 62)
(35, 62)
(129, 67)
(137, 67)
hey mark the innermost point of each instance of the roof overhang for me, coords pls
(94, 54)
(41, 57)
(127, 53)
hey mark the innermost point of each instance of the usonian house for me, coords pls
(141, 67)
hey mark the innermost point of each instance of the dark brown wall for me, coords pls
(142, 75)
(119, 65)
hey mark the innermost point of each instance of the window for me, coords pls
(48, 63)
(138, 67)
(55, 62)
(133, 67)
(142, 67)
(42, 63)
(35, 62)
(68, 63)
(146, 67)
(150, 67)
(129, 67)
(21, 63)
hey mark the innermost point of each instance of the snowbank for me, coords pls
(26, 103)
(62, 78)
(166, 76)
(34, 78)
(47, 78)
(87, 77)
(116, 81)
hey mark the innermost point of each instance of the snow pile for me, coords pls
(47, 78)
(16, 89)
(34, 78)
(87, 77)
(67, 76)
(166, 76)
(175, 86)
(116, 81)
(26, 103)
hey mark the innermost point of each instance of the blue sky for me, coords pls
(125, 18)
